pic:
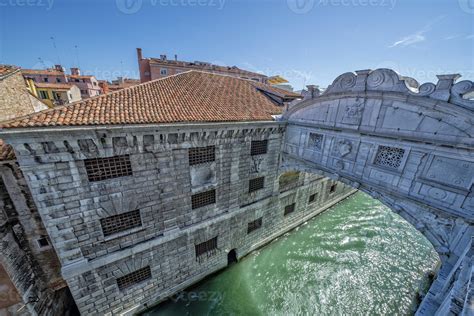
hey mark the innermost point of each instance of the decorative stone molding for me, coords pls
(447, 89)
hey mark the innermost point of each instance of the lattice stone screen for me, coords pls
(315, 141)
(390, 157)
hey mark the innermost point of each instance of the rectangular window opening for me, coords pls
(289, 209)
(258, 147)
(99, 169)
(202, 155)
(208, 248)
(119, 223)
(204, 198)
(256, 184)
(254, 225)
(312, 198)
(133, 278)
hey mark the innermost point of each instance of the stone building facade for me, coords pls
(162, 194)
(139, 211)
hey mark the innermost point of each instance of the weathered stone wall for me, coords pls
(15, 100)
(161, 187)
(34, 271)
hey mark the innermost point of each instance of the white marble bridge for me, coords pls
(410, 146)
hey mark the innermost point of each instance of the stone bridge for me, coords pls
(410, 146)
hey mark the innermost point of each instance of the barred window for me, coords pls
(256, 184)
(315, 141)
(390, 157)
(289, 209)
(254, 225)
(99, 169)
(202, 199)
(202, 155)
(333, 188)
(133, 278)
(208, 247)
(121, 222)
(258, 147)
(312, 198)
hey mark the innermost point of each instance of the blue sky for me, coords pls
(306, 41)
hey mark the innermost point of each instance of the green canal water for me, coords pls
(357, 258)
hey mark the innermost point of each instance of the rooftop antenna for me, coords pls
(77, 56)
(55, 49)
(42, 62)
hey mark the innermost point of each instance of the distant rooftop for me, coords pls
(192, 96)
(6, 70)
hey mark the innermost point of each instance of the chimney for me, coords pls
(59, 68)
(175, 57)
(163, 57)
(75, 71)
(139, 54)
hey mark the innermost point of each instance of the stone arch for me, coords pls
(410, 146)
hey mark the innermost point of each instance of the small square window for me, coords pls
(258, 147)
(163, 71)
(256, 184)
(289, 209)
(202, 155)
(254, 225)
(43, 242)
(208, 247)
(312, 198)
(315, 141)
(390, 157)
(333, 188)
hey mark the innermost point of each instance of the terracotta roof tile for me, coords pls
(6, 70)
(51, 72)
(188, 97)
(6, 152)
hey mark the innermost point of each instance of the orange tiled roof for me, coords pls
(58, 86)
(79, 76)
(6, 70)
(188, 97)
(205, 67)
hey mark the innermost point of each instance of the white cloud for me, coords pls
(451, 37)
(470, 36)
(410, 40)
(416, 37)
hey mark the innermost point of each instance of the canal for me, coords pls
(357, 258)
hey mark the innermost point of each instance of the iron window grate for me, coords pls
(256, 184)
(201, 155)
(133, 278)
(121, 222)
(390, 157)
(258, 147)
(254, 225)
(99, 169)
(202, 199)
(208, 247)
(312, 198)
(289, 209)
